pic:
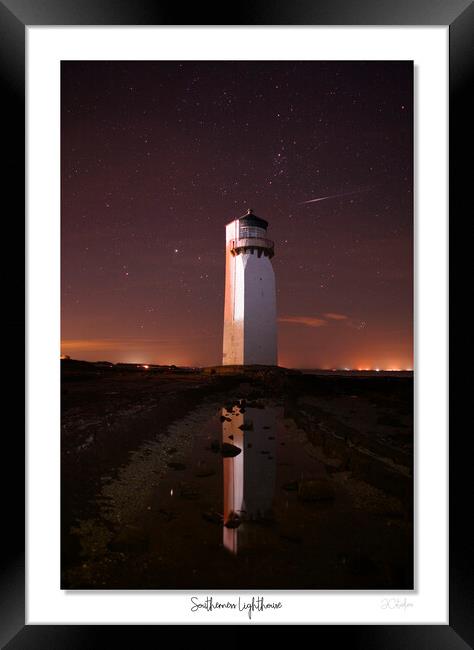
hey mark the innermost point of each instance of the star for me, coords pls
(156, 152)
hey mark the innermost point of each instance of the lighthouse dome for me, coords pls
(251, 219)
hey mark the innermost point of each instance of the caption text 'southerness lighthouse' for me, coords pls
(250, 332)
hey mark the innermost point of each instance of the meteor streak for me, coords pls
(333, 196)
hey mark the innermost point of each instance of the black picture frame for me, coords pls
(15, 15)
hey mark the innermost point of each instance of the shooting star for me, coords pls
(334, 196)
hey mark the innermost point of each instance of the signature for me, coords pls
(395, 603)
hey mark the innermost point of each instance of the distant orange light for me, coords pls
(145, 366)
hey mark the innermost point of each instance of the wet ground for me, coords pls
(260, 485)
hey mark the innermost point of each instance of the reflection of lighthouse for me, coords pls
(249, 477)
(250, 335)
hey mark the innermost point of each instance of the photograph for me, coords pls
(237, 321)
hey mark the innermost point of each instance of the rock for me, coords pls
(229, 450)
(231, 437)
(168, 515)
(176, 466)
(223, 418)
(213, 517)
(234, 521)
(315, 490)
(246, 426)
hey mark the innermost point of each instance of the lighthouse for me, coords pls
(250, 333)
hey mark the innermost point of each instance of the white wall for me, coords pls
(260, 331)
(250, 331)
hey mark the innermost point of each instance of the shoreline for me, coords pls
(357, 430)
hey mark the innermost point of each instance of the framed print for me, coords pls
(237, 299)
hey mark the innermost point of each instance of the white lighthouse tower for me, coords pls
(250, 333)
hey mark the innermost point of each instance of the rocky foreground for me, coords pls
(142, 479)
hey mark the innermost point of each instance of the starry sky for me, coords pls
(158, 156)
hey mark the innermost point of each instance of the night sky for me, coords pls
(158, 156)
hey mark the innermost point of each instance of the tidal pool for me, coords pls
(235, 496)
